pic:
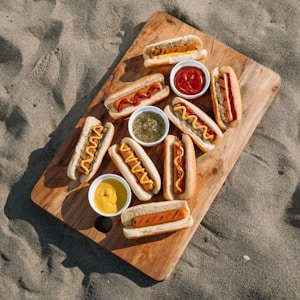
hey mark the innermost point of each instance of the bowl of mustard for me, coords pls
(109, 195)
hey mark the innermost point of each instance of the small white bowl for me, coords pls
(193, 64)
(115, 184)
(148, 125)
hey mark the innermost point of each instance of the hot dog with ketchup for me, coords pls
(137, 168)
(191, 120)
(156, 218)
(174, 50)
(91, 147)
(226, 97)
(147, 90)
(179, 168)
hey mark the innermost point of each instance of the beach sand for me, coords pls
(54, 57)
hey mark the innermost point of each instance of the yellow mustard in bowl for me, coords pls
(110, 196)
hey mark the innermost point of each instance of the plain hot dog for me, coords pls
(226, 97)
(156, 218)
(147, 90)
(174, 50)
(91, 147)
(137, 168)
(179, 168)
(191, 120)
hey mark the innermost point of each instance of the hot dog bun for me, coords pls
(226, 97)
(105, 141)
(172, 58)
(186, 127)
(155, 207)
(139, 152)
(188, 169)
(133, 88)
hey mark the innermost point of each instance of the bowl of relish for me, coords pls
(148, 126)
(189, 79)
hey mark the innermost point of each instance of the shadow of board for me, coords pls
(80, 251)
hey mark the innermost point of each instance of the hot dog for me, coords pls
(91, 147)
(147, 90)
(137, 168)
(174, 50)
(191, 120)
(179, 168)
(156, 218)
(226, 97)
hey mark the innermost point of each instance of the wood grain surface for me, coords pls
(67, 200)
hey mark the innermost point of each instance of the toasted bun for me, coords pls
(217, 97)
(88, 124)
(137, 189)
(134, 87)
(186, 128)
(190, 168)
(173, 59)
(149, 208)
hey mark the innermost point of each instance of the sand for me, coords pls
(54, 57)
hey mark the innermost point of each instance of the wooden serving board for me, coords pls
(68, 201)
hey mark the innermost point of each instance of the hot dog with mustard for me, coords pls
(179, 168)
(172, 51)
(94, 140)
(137, 168)
(190, 119)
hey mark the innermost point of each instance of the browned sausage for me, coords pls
(180, 49)
(158, 218)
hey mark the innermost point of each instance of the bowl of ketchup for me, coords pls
(189, 79)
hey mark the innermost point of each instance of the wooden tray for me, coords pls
(60, 196)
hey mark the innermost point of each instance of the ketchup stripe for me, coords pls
(137, 97)
(231, 100)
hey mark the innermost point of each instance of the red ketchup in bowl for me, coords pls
(189, 80)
